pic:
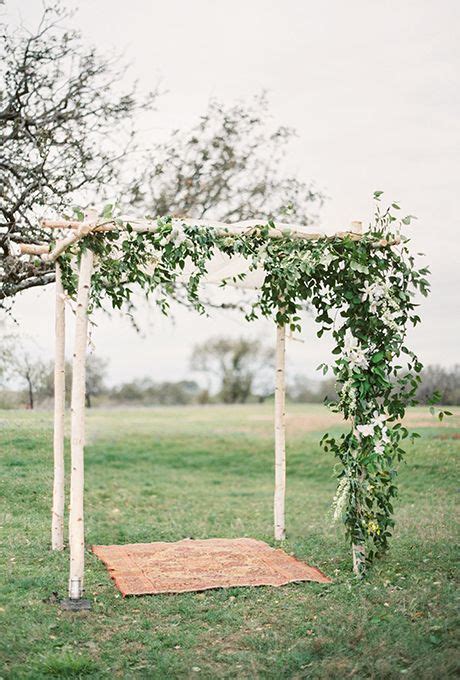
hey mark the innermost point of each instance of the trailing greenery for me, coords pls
(362, 291)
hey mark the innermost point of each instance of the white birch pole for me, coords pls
(280, 434)
(57, 517)
(76, 522)
(358, 550)
(359, 560)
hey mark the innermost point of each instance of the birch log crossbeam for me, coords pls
(222, 228)
(151, 225)
(79, 229)
(33, 249)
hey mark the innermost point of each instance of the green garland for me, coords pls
(362, 293)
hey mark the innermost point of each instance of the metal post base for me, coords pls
(75, 605)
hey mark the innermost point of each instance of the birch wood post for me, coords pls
(358, 550)
(356, 227)
(76, 523)
(280, 434)
(359, 559)
(57, 517)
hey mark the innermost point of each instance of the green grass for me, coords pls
(164, 474)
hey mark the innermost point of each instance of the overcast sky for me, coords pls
(372, 89)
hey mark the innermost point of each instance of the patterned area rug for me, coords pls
(189, 565)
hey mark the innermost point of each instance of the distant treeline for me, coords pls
(239, 370)
(147, 392)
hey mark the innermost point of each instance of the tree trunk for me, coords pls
(76, 521)
(57, 521)
(280, 434)
(30, 392)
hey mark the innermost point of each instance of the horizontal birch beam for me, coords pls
(33, 249)
(151, 226)
(79, 230)
(144, 225)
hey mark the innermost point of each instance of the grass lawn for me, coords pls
(164, 474)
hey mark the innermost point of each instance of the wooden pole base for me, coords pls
(75, 605)
(359, 560)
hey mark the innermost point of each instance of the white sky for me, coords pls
(372, 88)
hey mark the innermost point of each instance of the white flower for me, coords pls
(367, 292)
(326, 259)
(348, 396)
(381, 302)
(388, 318)
(366, 430)
(350, 342)
(358, 358)
(379, 419)
(379, 448)
(379, 291)
(354, 352)
(373, 291)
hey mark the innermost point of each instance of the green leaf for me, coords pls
(107, 211)
(78, 213)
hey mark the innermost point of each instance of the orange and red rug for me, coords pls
(189, 565)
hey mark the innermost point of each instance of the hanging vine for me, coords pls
(362, 291)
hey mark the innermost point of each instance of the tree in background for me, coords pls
(146, 391)
(444, 381)
(67, 133)
(33, 373)
(301, 389)
(64, 129)
(18, 364)
(237, 364)
(46, 389)
(96, 374)
(43, 371)
(227, 167)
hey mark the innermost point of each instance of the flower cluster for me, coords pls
(340, 499)
(354, 353)
(381, 301)
(348, 397)
(376, 429)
